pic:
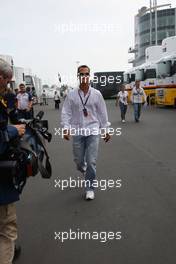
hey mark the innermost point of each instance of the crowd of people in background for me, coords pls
(23, 98)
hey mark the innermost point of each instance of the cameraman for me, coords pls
(8, 194)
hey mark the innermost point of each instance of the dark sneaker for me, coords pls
(17, 253)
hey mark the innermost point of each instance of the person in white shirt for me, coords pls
(84, 112)
(122, 99)
(44, 98)
(138, 97)
(24, 103)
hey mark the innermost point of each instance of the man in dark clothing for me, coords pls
(8, 193)
(56, 100)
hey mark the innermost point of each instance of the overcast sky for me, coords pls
(49, 36)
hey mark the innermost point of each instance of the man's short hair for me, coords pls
(21, 84)
(83, 66)
(122, 85)
(5, 69)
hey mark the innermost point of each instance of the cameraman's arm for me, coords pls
(15, 131)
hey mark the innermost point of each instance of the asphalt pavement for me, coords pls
(142, 210)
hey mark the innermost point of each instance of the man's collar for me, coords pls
(82, 90)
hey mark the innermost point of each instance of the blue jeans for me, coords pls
(137, 110)
(123, 109)
(85, 151)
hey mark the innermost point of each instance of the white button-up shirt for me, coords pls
(72, 115)
(138, 95)
(23, 100)
(123, 97)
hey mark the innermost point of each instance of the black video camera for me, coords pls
(34, 142)
(25, 156)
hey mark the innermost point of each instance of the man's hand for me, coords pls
(66, 134)
(29, 108)
(106, 137)
(21, 129)
(145, 104)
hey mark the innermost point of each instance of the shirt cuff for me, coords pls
(106, 127)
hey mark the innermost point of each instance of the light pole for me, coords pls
(59, 77)
(156, 23)
(150, 22)
(77, 65)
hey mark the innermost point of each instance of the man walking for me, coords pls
(122, 98)
(138, 97)
(84, 112)
(56, 100)
(44, 98)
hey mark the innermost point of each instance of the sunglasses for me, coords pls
(84, 74)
